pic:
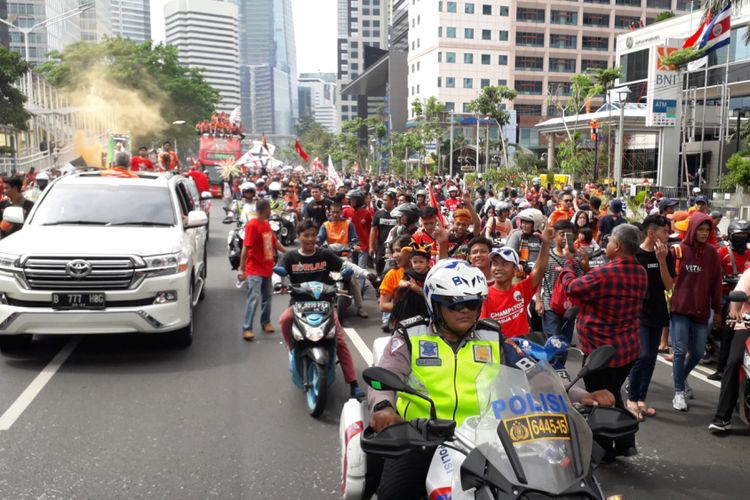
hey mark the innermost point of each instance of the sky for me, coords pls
(314, 33)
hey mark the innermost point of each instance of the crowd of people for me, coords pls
(654, 285)
(219, 124)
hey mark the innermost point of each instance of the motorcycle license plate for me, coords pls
(312, 307)
(538, 427)
(80, 300)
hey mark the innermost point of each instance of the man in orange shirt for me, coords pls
(564, 209)
(174, 161)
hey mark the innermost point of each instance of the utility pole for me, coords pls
(450, 152)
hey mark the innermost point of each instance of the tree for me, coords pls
(12, 100)
(606, 77)
(490, 103)
(663, 16)
(738, 172)
(429, 117)
(140, 88)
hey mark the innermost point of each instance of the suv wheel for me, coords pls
(14, 343)
(204, 275)
(184, 336)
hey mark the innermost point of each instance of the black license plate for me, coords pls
(82, 300)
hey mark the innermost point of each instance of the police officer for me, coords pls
(444, 354)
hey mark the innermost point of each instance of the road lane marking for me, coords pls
(697, 373)
(362, 348)
(35, 387)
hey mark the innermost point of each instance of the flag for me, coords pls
(717, 33)
(695, 37)
(235, 117)
(300, 151)
(697, 64)
(434, 203)
(317, 164)
(333, 176)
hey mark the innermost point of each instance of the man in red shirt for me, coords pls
(453, 202)
(256, 266)
(361, 218)
(200, 178)
(142, 161)
(507, 302)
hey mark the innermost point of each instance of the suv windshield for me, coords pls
(105, 205)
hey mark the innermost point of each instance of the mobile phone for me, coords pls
(569, 238)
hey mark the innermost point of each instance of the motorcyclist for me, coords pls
(277, 202)
(526, 241)
(421, 198)
(245, 208)
(453, 202)
(734, 259)
(431, 352)
(408, 217)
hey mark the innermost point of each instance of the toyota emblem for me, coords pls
(78, 268)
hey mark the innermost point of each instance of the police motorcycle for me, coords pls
(312, 360)
(527, 441)
(744, 372)
(282, 223)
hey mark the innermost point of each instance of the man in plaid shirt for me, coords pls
(610, 299)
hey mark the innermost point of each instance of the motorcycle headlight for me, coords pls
(314, 334)
(166, 264)
(296, 333)
(9, 263)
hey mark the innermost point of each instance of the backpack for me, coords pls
(560, 302)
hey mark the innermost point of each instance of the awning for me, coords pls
(372, 83)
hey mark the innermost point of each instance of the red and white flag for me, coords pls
(698, 35)
(317, 164)
(300, 151)
(333, 176)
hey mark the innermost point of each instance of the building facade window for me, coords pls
(487, 10)
(440, 57)
(559, 88)
(528, 15)
(484, 82)
(469, 33)
(450, 82)
(504, 11)
(563, 17)
(659, 4)
(587, 64)
(468, 8)
(562, 65)
(450, 106)
(486, 34)
(450, 7)
(628, 3)
(502, 82)
(467, 107)
(502, 60)
(468, 58)
(450, 57)
(526, 63)
(468, 83)
(503, 36)
(595, 43)
(604, 2)
(440, 32)
(528, 109)
(485, 58)
(598, 20)
(624, 22)
(439, 82)
(562, 41)
(525, 39)
(528, 87)
(450, 32)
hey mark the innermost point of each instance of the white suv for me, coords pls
(103, 252)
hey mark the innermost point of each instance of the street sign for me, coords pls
(431, 147)
(467, 168)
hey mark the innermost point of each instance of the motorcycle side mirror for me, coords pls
(381, 379)
(280, 271)
(596, 361)
(347, 273)
(737, 296)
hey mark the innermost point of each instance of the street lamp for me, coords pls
(39, 26)
(177, 122)
(622, 94)
(450, 150)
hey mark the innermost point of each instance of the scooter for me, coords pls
(527, 441)
(344, 295)
(744, 395)
(235, 238)
(283, 227)
(312, 360)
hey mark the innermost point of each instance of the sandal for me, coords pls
(646, 410)
(663, 350)
(635, 410)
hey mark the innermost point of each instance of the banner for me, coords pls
(333, 176)
(317, 164)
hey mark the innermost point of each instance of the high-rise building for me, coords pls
(534, 46)
(362, 38)
(56, 36)
(318, 96)
(205, 34)
(96, 22)
(268, 66)
(132, 19)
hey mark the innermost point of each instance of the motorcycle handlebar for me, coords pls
(420, 434)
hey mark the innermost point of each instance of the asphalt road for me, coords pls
(131, 417)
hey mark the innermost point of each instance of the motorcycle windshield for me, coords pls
(550, 439)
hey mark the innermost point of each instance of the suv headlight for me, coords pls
(9, 263)
(166, 264)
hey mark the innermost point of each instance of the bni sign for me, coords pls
(663, 85)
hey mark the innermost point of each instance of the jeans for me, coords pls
(643, 370)
(730, 382)
(362, 259)
(689, 343)
(554, 324)
(263, 287)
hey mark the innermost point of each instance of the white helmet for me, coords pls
(274, 186)
(42, 176)
(247, 186)
(452, 188)
(452, 281)
(532, 215)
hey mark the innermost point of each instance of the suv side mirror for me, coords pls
(13, 215)
(206, 195)
(196, 218)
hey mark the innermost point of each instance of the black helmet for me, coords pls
(738, 226)
(410, 210)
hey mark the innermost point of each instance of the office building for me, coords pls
(458, 47)
(55, 37)
(268, 67)
(96, 22)
(205, 33)
(318, 96)
(131, 19)
(362, 40)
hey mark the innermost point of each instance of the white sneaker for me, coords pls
(679, 403)
(688, 391)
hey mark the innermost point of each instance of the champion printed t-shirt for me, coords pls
(509, 307)
(316, 267)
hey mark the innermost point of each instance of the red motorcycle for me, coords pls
(744, 372)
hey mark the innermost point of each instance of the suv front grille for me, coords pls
(52, 273)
